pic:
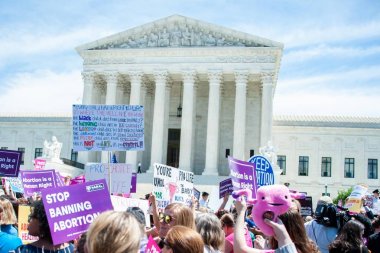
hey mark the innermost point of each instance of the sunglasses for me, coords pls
(165, 218)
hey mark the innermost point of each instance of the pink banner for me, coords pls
(152, 246)
(39, 164)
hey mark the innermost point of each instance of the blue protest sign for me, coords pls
(264, 170)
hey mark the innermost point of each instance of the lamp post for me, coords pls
(325, 189)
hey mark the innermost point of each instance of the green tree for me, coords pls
(343, 195)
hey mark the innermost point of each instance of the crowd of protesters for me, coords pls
(196, 229)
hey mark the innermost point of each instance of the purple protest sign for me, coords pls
(71, 209)
(133, 182)
(225, 187)
(34, 181)
(9, 163)
(242, 175)
(151, 246)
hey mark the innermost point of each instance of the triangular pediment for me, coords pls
(178, 31)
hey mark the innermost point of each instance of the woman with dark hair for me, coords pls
(182, 239)
(39, 226)
(349, 239)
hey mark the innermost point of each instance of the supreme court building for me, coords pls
(207, 90)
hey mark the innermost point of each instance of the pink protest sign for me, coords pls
(152, 246)
(39, 164)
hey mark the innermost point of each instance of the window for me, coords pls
(4, 148)
(37, 152)
(303, 166)
(281, 162)
(22, 150)
(326, 167)
(251, 152)
(372, 168)
(74, 155)
(227, 152)
(349, 167)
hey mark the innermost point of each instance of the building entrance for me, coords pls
(174, 137)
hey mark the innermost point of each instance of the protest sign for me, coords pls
(134, 182)
(34, 181)
(264, 170)
(225, 187)
(120, 174)
(121, 204)
(39, 164)
(71, 209)
(243, 175)
(197, 194)
(354, 202)
(172, 185)
(108, 127)
(14, 182)
(59, 179)
(9, 163)
(306, 206)
(78, 180)
(151, 246)
(23, 214)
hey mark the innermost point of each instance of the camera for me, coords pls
(331, 215)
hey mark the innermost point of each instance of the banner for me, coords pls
(121, 204)
(9, 163)
(23, 214)
(225, 187)
(120, 174)
(264, 170)
(243, 175)
(108, 127)
(172, 185)
(71, 209)
(151, 246)
(14, 182)
(34, 181)
(39, 164)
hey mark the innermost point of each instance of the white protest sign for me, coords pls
(120, 174)
(121, 204)
(108, 127)
(172, 185)
(14, 182)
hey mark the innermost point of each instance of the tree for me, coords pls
(343, 195)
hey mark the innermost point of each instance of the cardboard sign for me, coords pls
(121, 204)
(71, 209)
(120, 174)
(225, 187)
(34, 181)
(264, 170)
(14, 182)
(152, 246)
(306, 206)
(172, 185)
(108, 127)
(9, 163)
(23, 214)
(39, 164)
(243, 175)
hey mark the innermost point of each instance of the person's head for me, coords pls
(228, 223)
(7, 213)
(376, 224)
(114, 232)
(210, 228)
(38, 223)
(80, 243)
(175, 214)
(349, 237)
(182, 239)
(205, 195)
(138, 213)
(376, 193)
(296, 205)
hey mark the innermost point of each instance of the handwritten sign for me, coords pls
(23, 214)
(71, 209)
(225, 187)
(243, 175)
(108, 127)
(35, 180)
(172, 185)
(14, 182)
(9, 163)
(354, 202)
(120, 173)
(264, 170)
(121, 204)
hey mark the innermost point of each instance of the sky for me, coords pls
(330, 64)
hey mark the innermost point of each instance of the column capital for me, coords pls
(267, 77)
(189, 76)
(111, 77)
(241, 76)
(215, 76)
(88, 77)
(160, 75)
(135, 76)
